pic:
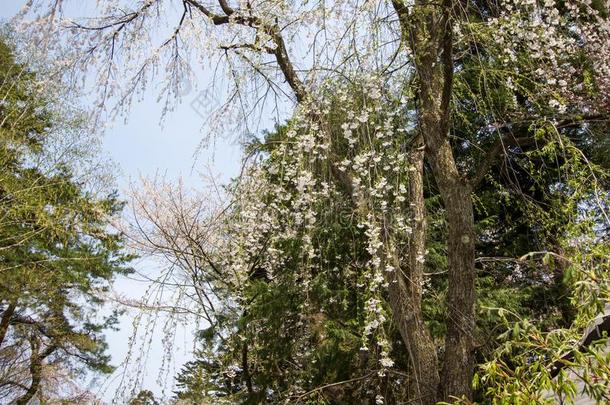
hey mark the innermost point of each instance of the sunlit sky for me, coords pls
(143, 147)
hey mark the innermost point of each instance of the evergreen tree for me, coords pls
(58, 253)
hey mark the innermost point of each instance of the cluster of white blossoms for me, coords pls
(376, 282)
(348, 146)
(545, 43)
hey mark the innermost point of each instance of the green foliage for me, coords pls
(529, 220)
(542, 249)
(58, 253)
(144, 397)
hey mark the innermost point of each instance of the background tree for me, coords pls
(58, 252)
(144, 398)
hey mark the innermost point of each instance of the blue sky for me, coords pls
(142, 147)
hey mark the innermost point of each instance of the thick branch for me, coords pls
(36, 359)
(246, 369)
(447, 60)
(6, 320)
(593, 333)
(510, 129)
(274, 31)
(225, 7)
(497, 150)
(281, 55)
(216, 18)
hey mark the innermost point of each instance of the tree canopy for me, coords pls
(427, 224)
(58, 253)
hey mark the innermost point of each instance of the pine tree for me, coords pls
(57, 251)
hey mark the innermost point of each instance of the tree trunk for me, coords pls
(459, 342)
(405, 292)
(417, 339)
(429, 29)
(35, 373)
(246, 369)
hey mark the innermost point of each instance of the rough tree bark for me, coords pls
(405, 292)
(36, 359)
(428, 29)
